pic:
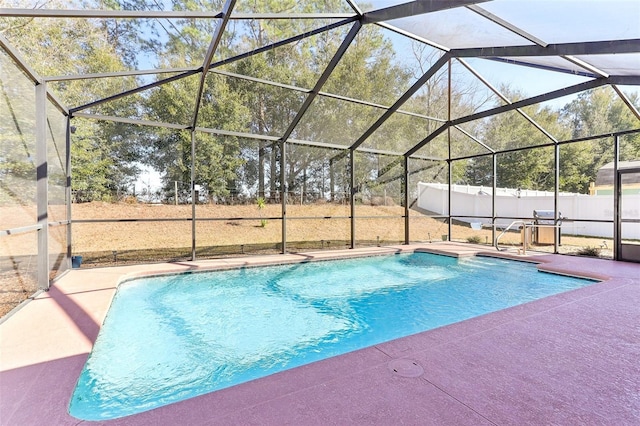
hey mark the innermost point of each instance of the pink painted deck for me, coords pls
(568, 359)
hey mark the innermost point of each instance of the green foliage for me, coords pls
(17, 135)
(107, 155)
(530, 169)
(103, 153)
(261, 203)
(595, 112)
(103, 159)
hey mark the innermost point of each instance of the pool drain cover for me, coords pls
(406, 368)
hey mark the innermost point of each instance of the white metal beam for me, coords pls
(507, 25)
(413, 8)
(129, 73)
(42, 186)
(158, 14)
(627, 101)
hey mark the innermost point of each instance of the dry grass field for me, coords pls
(164, 234)
(222, 225)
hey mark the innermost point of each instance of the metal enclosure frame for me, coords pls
(619, 252)
(357, 20)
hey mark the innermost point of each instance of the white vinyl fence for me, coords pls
(476, 201)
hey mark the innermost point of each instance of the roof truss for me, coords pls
(569, 52)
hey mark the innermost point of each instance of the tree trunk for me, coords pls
(332, 181)
(261, 169)
(274, 175)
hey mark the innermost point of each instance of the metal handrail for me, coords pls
(504, 231)
(21, 230)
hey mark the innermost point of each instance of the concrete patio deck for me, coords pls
(568, 359)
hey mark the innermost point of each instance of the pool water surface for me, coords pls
(170, 338)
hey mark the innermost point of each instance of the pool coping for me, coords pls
(45, 344)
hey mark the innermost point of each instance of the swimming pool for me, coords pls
(170, 338)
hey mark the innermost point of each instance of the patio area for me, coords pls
(565, 359)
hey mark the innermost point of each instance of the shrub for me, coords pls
(474, 239)
(261, 203)
(589, 251)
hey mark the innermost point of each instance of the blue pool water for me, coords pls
(170, 338)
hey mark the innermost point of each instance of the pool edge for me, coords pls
(36, 352)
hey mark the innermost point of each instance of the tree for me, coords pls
(103, 153)
(268, 110)
(17, 139)
(530, 168)
(169, 151)
(596, 112)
